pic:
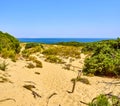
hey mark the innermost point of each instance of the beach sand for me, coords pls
(50, 84)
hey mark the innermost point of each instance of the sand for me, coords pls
(51, 84)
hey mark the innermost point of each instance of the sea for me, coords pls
(56, 40)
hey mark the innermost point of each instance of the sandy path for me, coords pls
(51, 84)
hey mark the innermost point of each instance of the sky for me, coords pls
(60, 18)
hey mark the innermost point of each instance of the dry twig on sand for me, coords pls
(50, 97)
(30, 87)
(3, 100)
(73, 88)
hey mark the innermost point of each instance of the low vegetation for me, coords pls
(72, 43)
(63, 51)
(104, 59)
(38, 63)
(9, 46)
(27, 52)
(53, 59)
(30, 65)
(105, 100)
(80, 79)
(3, 66)
(35, 62)
(31, 45)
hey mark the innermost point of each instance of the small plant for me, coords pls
(38, 63)
(90, 75)
(101, 100)
(67, 66)
(3, 66)
(83, 80)
(30, 65)
(30, 45)
(5, 53)
(53, 59)
(32, 58)
(50, 51)
(104, 100)
(64, 51)
(27, 52)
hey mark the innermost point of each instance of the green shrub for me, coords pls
(53, 59)
(9, 46)
(5, 53)
(9, 42)
(105, 100)
(38, 63)
(32, 58)
(31, 45)
(64, 51)
(3, 66)
(27, 52)
(105, 59)
(101, 100)
(72, 43)
(50, 51)
(30, 65)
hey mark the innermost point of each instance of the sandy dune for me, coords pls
(51, 84)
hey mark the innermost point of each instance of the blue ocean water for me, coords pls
(56, 40)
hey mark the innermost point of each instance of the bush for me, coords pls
(38, 63)
(9, 42)
(50, 51)
(53, 59)
(5, 53)
(105, 100)
(9, 46)
(105, 59)
(27, 52)
(3, 66)
(72, 43)
(32, 58)
(64, 51)
(31, 45)
(30, 65)
(8, 53)
(100, 101)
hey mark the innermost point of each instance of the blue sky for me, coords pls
(60, 18)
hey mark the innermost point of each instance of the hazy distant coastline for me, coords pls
(56, 40)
